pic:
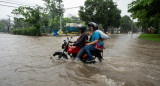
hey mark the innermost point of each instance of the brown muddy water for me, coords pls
(25, 61)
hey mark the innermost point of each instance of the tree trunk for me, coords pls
(112, 29)
(52, 24)
(157, 29)
(142, 30)
(105, 29)
(8, 30)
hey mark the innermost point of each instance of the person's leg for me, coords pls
(87, 49)
(80, 53)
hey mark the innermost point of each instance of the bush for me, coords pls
(159, 29)
(28, 31)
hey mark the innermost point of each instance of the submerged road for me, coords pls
(128, 61)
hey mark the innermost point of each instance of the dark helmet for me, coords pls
(94, 25)
(82, 28)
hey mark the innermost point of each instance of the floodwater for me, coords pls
(128, 61)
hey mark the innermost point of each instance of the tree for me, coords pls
(2, 26)
(31, 16)
(64, 21)
(20, 23)
(135, 27)
(103, 12)
(45, 22)
(54, 8)
(147, 13)
(126, 23)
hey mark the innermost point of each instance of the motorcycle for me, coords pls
(72, 51)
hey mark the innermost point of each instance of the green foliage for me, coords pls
(5, 25)
(146, 12)
(2, 27)
(55, 9)
(30, 17)
(20, 23)
(126, 23)
(159, 28)
(151, 37)
(72, 19)
(66, 20)
(28, 31)
(103, 12)
(45, 20)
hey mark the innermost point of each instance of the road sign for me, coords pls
(60, 32)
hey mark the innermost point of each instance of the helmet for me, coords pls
(82, 28)
(94, 25)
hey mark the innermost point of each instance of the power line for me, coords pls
(19, 2)
(12, 3)
(27, 5)
(17, 7)
(8, 6)
(72, 7)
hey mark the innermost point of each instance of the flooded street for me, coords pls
(128, 61)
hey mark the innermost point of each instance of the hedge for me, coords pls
(28, 31)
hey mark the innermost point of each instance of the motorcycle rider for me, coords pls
(81, 41)
(90, 46)
(94, 39)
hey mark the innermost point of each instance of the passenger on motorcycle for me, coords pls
(81, 41)
(94, 39)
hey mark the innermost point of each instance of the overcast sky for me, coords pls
(4, 10)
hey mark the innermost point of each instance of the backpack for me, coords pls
(103, 35)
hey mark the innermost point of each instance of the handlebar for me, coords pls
(70, 41)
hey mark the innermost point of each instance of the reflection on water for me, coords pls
(24, 61)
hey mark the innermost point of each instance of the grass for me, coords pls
(151, 37)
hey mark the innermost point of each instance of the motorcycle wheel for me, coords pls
(98, 58)
(95, 59)
(60, 55)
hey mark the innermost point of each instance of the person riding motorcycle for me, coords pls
(94, 39)
(90, 46)
(81, 41)
(74, 51)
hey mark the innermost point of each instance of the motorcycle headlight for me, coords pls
(63, 46)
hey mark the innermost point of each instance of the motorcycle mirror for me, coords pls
(71, 37)
(67, 38)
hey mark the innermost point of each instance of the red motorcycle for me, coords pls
(72, 51)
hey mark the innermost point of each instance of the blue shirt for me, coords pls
(95, 36)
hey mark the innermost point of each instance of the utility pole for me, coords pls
(60, 23)
(9, 23)
(132, 25)
(132, 28)
(60, 14)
